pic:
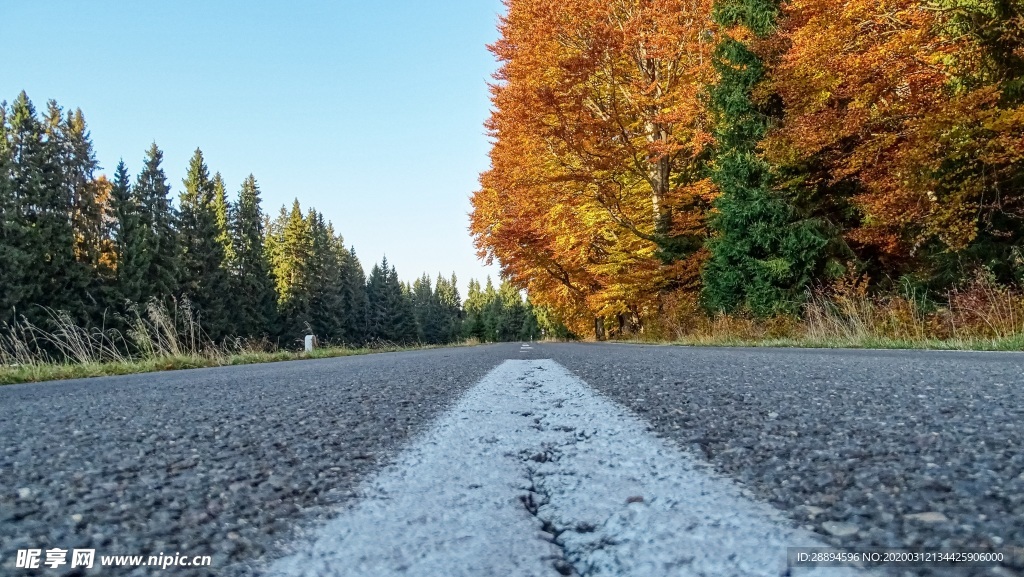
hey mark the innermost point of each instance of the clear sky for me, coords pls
(370, 111)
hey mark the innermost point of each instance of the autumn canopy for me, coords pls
(741, 153)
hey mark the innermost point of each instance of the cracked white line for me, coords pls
(533, 473)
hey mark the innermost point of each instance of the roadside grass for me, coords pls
(1010, 344)
(151, 339)
(51, 371)
(981, 316)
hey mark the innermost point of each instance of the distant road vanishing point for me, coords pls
(523, 459)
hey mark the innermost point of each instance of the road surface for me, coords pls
(545, 459)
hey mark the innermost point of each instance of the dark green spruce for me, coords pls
(203, 274)
(255, 303)
(129, 240)
(764, 252)
(159, 257)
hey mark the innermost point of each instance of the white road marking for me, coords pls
(532, 448)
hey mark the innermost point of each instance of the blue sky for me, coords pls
(372, 112)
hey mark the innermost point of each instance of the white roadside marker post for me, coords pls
(310, 343)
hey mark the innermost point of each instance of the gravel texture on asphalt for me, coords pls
(868, 448)
(223, 462)
(532, 474)
(886, 448)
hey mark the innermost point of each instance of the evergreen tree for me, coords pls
(498, 315)
(530, 330)
(377, 314)
(203, 276)
(222, 208)
(548, 324)
(325, 280)
(490, 311)
(79, 164)
(89, 197)
(765, 253)
(57, 213)
(474, 326)
(510, 322)
(158, 257)
(447, 293)
(14, 284)
(290, 247)
(129, 237)
(255, 309)
(427, 310)
(40, 231)
(390, 316)
(354, 299)
(23, 148)
(406, 330)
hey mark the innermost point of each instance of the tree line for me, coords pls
(743, 153)
(96, 247)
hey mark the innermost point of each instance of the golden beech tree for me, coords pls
(595, 200)
(890, 98)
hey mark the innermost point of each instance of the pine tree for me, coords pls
(203, 273)
(158, 256)
(430, 320)
(79, 164)
(40, 229)
(222, 208)
(509, 312)
(491, 312)
(406, 330)
(549, 325)
(765, 254)
(390, 316)
(255, 310)
(222, 212)
(325, 280)
(88, 199)
(290, 250)
(447, 293)
(14, 287)
(530, 330)
(377, 314)
(474, 325)
(66, 284)
(354, 299)
(129, 238)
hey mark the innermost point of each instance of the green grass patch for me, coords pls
(39, 372)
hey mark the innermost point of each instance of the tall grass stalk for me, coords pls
(154, 338)
(157, 331)
(979, 315)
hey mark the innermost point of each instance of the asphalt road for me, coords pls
(247, 463)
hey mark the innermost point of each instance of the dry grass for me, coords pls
(157, 338)
(156, 332)
(979, 316)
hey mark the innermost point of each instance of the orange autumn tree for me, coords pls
(891, 105)
(596, 200)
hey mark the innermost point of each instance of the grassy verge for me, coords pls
(38, 372)
(981, 316)
(152, 338)
(1014, 343)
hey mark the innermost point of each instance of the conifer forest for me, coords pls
(81, 249)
